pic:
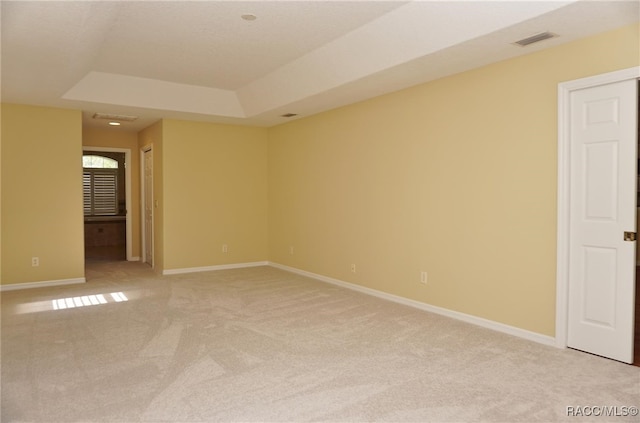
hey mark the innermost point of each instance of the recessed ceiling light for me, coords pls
(114, 123)
(249, 17)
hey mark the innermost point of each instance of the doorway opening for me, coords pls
(106, 199)
(148, 204)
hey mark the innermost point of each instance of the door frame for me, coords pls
(127, 182)
(143, 223)
(564, 188)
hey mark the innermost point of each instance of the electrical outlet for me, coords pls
(353, 268)
(35, 261)
(225, 248)
(423, 278)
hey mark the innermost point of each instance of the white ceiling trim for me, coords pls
(108, 88)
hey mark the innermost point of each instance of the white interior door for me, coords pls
(603, 207)
(148, 206)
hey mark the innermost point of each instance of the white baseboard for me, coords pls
(134, 259)
(478, 321)
(217, 267)
(29, 285)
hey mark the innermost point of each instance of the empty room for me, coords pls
(345, 211)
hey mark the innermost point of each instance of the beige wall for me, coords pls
(153, 137)
(215, 193)
(456, 177)
(41, 194)
(118, 138)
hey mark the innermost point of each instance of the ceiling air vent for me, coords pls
(288, 115)
(122, 118)
(535, 38)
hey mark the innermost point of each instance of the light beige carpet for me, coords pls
(262, 344)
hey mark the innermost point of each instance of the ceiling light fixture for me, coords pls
(114, 123)
(249, 17)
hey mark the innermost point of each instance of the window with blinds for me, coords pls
(100, 189)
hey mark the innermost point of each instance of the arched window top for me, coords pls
(99, 162)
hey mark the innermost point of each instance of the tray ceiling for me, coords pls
(200, 60)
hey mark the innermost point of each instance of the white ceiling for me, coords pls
(200, 60)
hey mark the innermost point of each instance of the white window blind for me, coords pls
(100, 188)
